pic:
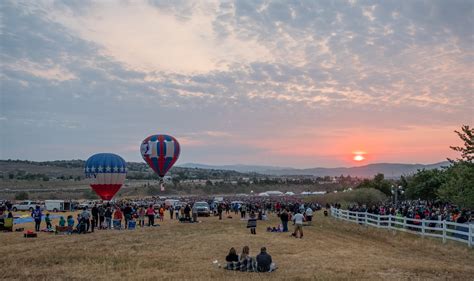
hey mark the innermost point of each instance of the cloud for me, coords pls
(240, 76)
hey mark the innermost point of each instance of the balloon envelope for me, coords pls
(160, 152)
(106, 172)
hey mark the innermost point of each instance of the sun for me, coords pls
(359, 158)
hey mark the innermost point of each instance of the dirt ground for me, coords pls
(330, 250)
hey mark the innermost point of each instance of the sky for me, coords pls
(282, 83)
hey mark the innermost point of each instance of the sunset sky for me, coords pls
(284, 83)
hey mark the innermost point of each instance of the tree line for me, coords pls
(453, 183)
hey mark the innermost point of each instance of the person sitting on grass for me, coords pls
(247, 263)
(232, 260)
(252, 223)
(62, 222)
(70, 224)
(264, 261)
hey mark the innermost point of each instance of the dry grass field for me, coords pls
(330, 250)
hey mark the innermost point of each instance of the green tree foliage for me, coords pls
(458, 186)
(453, 184)
(89, 194)
(378, 182)
(424, 184)
(467, 151)
(21, 196)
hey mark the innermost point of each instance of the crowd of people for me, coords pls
(418, 209)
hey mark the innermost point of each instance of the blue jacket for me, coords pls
(36, 214)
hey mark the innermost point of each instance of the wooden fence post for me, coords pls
(469, 237)
(378, 221)
(423, 228)
(444, 231)
(404, 222)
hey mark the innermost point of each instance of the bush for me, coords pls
(366, 196)
(21, 196)
(89, 194)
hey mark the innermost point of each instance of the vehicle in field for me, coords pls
(202, 208)
(89, 204)
(171, 202)
(26, 205)
(58, 205)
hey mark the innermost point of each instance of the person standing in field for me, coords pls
(150, 212)
(141, 216)
(162, 213)
(127, 211)
(86, 217)
(187, 213)
(176, 212)
(298, 220)
(243, 209)
(108, 217)
(219, 211)
(252, 223)
(284, 217)
(118, 216)
(37, 215)
(171, 210)
(47, 219)
(101, 216)
(309, 215)
(95, 216)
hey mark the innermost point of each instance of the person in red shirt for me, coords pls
(150, 212)
(118, 216)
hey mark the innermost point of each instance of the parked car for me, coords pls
(26, 206)
(58, 205)
(89, 204)
(202, 209)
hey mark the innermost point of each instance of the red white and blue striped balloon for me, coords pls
(106, 173)
(160, 152)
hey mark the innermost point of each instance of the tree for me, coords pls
(459, 185)
(467, 151)
(424, 184)
(378, 182)
(22, 196)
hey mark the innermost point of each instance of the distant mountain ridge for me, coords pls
(390, 170)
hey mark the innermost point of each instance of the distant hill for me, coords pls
(390, 170)
(74, 168)
(238, 168)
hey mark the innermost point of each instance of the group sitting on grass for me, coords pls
(261, 263)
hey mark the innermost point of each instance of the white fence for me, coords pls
(463, 233)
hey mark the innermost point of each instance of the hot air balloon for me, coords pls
(106, 172)
(160, 152)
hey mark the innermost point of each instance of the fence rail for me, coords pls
(445, 230)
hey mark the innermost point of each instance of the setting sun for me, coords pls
(359, 158)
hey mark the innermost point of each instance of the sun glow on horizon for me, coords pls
(359, 158)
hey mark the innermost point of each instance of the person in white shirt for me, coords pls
(298, 220)
(309, 215)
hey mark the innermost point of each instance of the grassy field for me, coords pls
(330, 250)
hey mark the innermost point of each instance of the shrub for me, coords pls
(21, 195)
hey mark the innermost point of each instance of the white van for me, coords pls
(171, 202)
(57, 205)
